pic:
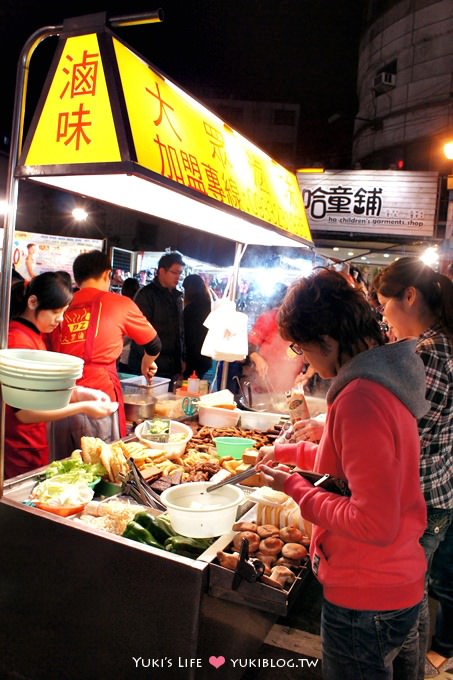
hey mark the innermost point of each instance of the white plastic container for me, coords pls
(214, 416)
(170, 448)
(37, 379)
(35, 400)
(39, 361)
(259, 420)
(194, 512)
(158, 385)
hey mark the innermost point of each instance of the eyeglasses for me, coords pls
(381, 308)
(175, 273)
(296, 348)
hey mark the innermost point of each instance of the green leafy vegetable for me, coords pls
(75, 465)
(62, 490)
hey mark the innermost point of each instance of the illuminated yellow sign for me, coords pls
(174, 136)
(178, 138)
(76, 124)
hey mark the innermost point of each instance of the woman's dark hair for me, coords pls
(195, 290)
(51, 289)
(130, 287)
(66, 278)
(436, 289)
(326, 304)
(90, 265)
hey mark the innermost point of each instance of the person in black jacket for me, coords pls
(162, 304)
(197, 305)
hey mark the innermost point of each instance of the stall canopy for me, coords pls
(111, 126)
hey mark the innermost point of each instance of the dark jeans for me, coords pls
(441, 589)
(437, 542)
(367, 645)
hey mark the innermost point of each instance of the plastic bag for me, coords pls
(227, 338)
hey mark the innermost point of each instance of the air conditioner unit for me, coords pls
(384, 82)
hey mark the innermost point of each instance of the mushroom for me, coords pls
(266, 530)
(271, 545)
(253, 539)
(291, 535)
(228, 560)
(294, 551)
(282, 575)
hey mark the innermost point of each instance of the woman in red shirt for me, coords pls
(365, 547)
(36, 309)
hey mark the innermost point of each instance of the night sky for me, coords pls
(295, 51)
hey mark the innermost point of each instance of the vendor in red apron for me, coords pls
(93, 328)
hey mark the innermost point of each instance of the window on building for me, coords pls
(232, 114)
(284, 117)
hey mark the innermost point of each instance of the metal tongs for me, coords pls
(247, 569)
(248, 399)
(139, 489)
(234, 479)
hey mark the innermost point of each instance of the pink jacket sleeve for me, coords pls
(302, 454)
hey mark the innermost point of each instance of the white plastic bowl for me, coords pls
(35, 400)
(194, 512)
(213, 416)
(37, 379)
(42, 361)
(170, 448)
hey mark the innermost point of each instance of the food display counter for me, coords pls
(88, 604)
(78, 603)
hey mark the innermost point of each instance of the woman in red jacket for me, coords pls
(36, 309)
(365, 547)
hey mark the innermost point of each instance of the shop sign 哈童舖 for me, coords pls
(383, 202)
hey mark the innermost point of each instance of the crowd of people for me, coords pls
(384, 351)
(152, 330)
(380, 551)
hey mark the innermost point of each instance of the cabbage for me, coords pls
(63, 490)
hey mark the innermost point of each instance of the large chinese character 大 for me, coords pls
(164, 108)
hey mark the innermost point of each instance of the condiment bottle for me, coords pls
(297, 405)
(193, 384)
(204, 387)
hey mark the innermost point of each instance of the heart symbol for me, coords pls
(216, 661)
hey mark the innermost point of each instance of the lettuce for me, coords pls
(75, 464)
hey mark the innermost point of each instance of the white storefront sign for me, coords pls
(380, 202)
(50, 252)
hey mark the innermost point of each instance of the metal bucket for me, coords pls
(139, 402)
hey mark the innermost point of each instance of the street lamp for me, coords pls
(79, 214)
(448, 152)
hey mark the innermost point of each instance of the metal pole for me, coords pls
(153, 17)
(12, 190)
(240, 250)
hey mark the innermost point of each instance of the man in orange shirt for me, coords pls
(93, 329)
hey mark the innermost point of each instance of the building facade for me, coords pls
(405, 85)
